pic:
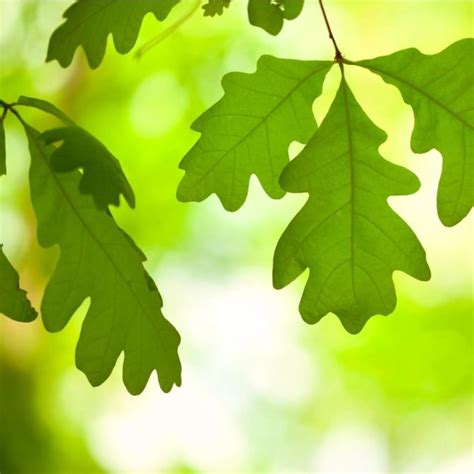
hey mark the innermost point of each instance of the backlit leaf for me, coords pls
(347, 234)
(440, 88)
(250, 129)
(99, 261)
(89, 23)
(270, 14)
(13, 300)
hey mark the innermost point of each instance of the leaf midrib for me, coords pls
(99, 244)
(259, 124)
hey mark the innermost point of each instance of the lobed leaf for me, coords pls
(99, 261)
(250, 129)
(270, 14)
(89, 23)
(215, 7)
(102, 174)
(346, 234)
(13, 300)
(440, 89)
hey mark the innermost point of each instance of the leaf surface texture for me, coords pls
(440, 89)
(89, 23)
(250, 129)
(346, 234)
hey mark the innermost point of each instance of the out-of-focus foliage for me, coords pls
(215, 7)
(89, 23)
(271, 14)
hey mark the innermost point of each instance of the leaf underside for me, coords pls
(101, 262)
(102, 174)
(13, 300)
(89, 23)
(250, 129)
(346, 234)
(440, 89)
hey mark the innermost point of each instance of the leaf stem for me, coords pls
(338, 57)
(168, 31)
(8, 107)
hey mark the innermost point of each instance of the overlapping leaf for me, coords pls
(440, 88)
(89, 23)
(346, 234)
(249, 130)
(13, 300)
(270, 14)
(102, 174)
(99, 261)
(215, 7)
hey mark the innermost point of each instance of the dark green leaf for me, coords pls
(291, 8)
(250, 129)
(3, 151)
(99, 261)
(346, 234)
(215, 7)
(89, 23)
(270, 14)
(102, 174)
(440, 88)
(13, 300)
(45, 106)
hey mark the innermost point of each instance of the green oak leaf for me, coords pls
(44, 106)
(89, 23)
(102, 174)
(99, 261)
(250, 129)
(13, 300)
(270, 14)
(3, 151)
(347, 234)
(440, 89)
(215, 7)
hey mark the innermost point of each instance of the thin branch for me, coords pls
(170, 30)
(338, 57)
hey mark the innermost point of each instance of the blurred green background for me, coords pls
(262, 391)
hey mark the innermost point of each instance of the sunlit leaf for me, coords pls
(99, 261)
(250, 129)
(440, 88)
(89, 23)
(347, 234)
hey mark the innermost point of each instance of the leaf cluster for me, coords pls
(346, 234)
